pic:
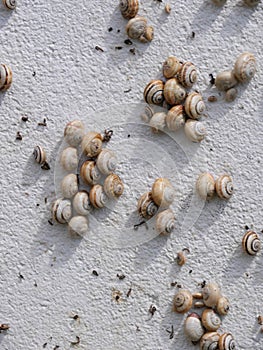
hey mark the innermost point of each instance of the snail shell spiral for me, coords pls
(158, 122)
(222, 306)
(210, 320)
(147, 208)
(10, 4)
(61, 210)
(187, 75)
(171, 67)
(163, 192)
(175, 118)
(174, 93)
(205, 186)
(81, 203)
(245, 67)
(226, 342)
(165, 222)
(6, 77)
(153, 92)
(39, 154)
(137, 28)
(209, 341)
(224, 186)
(194, 105)
(78, 225)
(113, 186)
(97, 196)
(129, 8)
(182, 301)
(251, 243)
(195, 130)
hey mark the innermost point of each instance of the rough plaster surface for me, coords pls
(56, 40)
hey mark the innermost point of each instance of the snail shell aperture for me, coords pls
(147, 208)
(209, 341)
(251, 243)
(182, 301)
(195, 130)
(224, 186)
(97, 196)
(69, 158)
(92, 143)
(113, 186)
(39, 154)
(137, 28)
(129, 8)
(78, 225)
(89, 172)
(10, 4)
(175, 118)
(194, 105)
(205, 186)
(74, 132)
(171, 67)
(158, 122)
(245, 67)
(211, 294)
(187, 75)
(61, 210)
(69, 185)
(81, 203)
(226, 342)
(222, 306)
(6, 77)
(153, 92)
(174, 93)
(210, 320)
(225, 80)
(165, 222)
(163, 192)
(193, 328)
(106, 162)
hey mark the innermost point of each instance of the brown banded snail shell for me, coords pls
(193, 328)
(219, 2)
(171, 67)
(175, 118)
(165, 222)
(158, 122)
(182, 301)
(245, 67)
(181, 258)
(174, 93)
(69, 185)
(39, 154)
(224, 186)
(129, 8)
(251, 2)
(137, 28)
(195, 130)
(69, 158)
(251, 243)
(209, 341)
(113, 186)
(147, 208)
(6, 77)
(89, 172)
(226, 342)
(78, 225)
(106, 161)
(61, 210)
(92, 144)
(74, 132)
(222, 306)
(205, 186)
(225, 80)
(211, 294)
(194, 105)
(10, 4)
(81, 203)
(187, 75)
(231, 95)
(210, 320)
(153, 92)
(163, 192)
(97, 196)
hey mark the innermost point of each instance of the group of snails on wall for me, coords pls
(207, 186)
(247, 2)
(205, 327)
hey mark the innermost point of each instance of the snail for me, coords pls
(225, 80)
(251, 2)
(182, 301)
(163, 192)
(97, 196)
(69, 185)
(147, 208)
(187, 75)
(219, 2)
(251, 243)
(158, 122)
(106, 162)
(224, 186)
(69, 158)
(171, 67)
(147, 115)
(175, 118)
(129, 8)
(74, 132)
(92, 144)
(81, 203)
(6, 77)
(245, 67)
(195, 130)
(181, 258)
(205, 186)
(10, 4)
(113, 186)
(153, 92)
(78, 225)
(226, 342)
(209, 341)
(165, 222)
(222, 306)
(210, 320)
(168, 8)
(61, 210)
(211, 294)
(89, 172)
(194, 105)
(137, 28)
(231, 95)
(173, 92)
(39, 154)
(193, 328)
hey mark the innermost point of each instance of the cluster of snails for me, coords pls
(5, 77)
(185, 109)
(251, 243)
(247, 2)
(205, 328)
(137, 27)
(10, 4)
(207, 186)
(98, 165)
(161, 196)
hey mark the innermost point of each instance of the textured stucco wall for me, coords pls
(56, 40)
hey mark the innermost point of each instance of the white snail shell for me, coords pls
(171, 67)
(174, 93)
(158, 122)
(219, 2)
(210, 320)
(148, 113)
(81, 203)
(188, 74)
(69, 158)
(165, 222)
(78, 225)
(225, 80)
(129, 8)
(195, 130)
(182, 301)
(163, 192)
(224, 186)
(69, 185)
(227, 342)
(74, 132)
(113, 186)
(222, 306)
(97, 196)
(61, 210)
(205, 186)
(89, 172)
(175, 118)
(231, 95)
(245, 67)
(251, 2)
(147, 208)
(6, 77)
(39, 154)
(251, 243)
(137, 28)
(92, 144)
(10, 4)
(106, 162)
(193, 328)
(209, 341)
(153, 92)
(194, 105)
(211, 294)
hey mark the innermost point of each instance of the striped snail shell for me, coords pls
(224, 186)
(6, 77)
(163, 192)
(89, 172)
(222, 306)
(81, 203)
(194, 105)
(39, 154)
(251, 2)
(195, 130)
(153, 92)
(147, 208)
(187, 75)
(129, 8)
(137, 28)
(78, 225)
(211, 294)
(205, 186)
(193, 328)
(165, 222)
(209, 341)
(173, 92)
(245, 67)
(171, 67)
(69, 185)
(74, 132)
(182, 301)
(175, 118)
(210, 320)
(97, 196)
(158, 122)
(251, 243)
(61, 210)
(113, 186)
(148, 113)
(92, 144)
(227, 342)
(225, 80)
(69, 158)
(219, 2)
(106, 162)
(10, 4)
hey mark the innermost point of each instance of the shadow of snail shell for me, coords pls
(182, 301)
(39, 154)
(251, 243)
(6, 77)
(173, 92)
(222, 306)
(195, 130)
(61, 210)
(74, 132)
(227, 342)
(153, 92)
(251, 2)
(224, 186)
(210, 320)
(209, 341)
(146, 207)
(97, 196)
(69, 185)
(10, 4)
(211, 294)
(163, 192)
(158, 122)
(245, 67)
(113, 186)
(175, 118)
(137, 28)
(219, 2)
(78, 225)
(106, 162)
(69, 158)
(225, 80)
(193, 328)
(171, 67)
(205, 186)
(187, 75)
(81, 203)
(194, 105)
(89, 172)
(129, 8)
(165, 222)
(92, 144)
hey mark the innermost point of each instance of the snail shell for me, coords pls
(181, 258)
(69, 158)
(165, 222)
(147, 208)
(113, 186)
(209, 341)
(195, 130)
(210, 320)
(251, 2)
(194, 105)
(173, 92)
(81, 203)
(205, 186)
(153, 92)
(193, 328)
(92, 143)
(137, 29)
(158, 122)
(106, 162)
(10, 4)
(224, 186)
(61, 210)
(163, 192)
(182, 301)
(89, 172)
(222, 306)
(6, 77)
(69, 185)
(225, 80)
(251, 243)
(226, 342)
(39, 154)
(148, 113)
(219, 2)
(74, 132)
(187, 75)
(97, 196)
(231, 95)
(245, 67)
(171, 67)
(211, 294)
(129, 8)
(175, 118)
(78, 225)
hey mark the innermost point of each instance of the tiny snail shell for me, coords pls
(158, 122)
(211, 294)
(209, 341)
(6, 77)
(78, 225)
(195, 130)
(137, 29)
(251, 243)
(205, 186)
(171, 67)
(219, 2)
(89, 172)
(39, 154)
(182, 301)
(197, 295)
(97, 196)
(231, 95)
(245, 67)
(113, 186)
(74, 132)
(225, 80)
(129, 8)
(175, 118)
(147, 208)
(222, 306)
(187, 75)
(251, 2)
(199, 304)
(212, 98)
(81, 203)
(193, 328)
(92, 143)
(165, 222)
(168, 8)
(10, 4)
(210, 320)
(153, 92)
(69, 158)
(181, 258)
(148, 113)
(224, 186)
(106, 162)
(61, 210)
(194, 105)
(174, 93)
(69, 185)
(163, 192)
(226, 342)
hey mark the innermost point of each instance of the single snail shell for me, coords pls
(181, 258)
(97, 196)
(209, 341)
(224, 186)
(227, 342)
(148, 113)
(113, 186)
(147, 208)
(197, 295)
(225, 80)
(69, 158)
(175, 118)
(6, 77)
(153, 92)
(171, 67)
(39, 154)
(10, 4)
(187, 75)
(251, 243)
(61, 210)
(69, 185)
(165, 222)
(211, 294)
(89, 172)
(194, 105)
(129, 8)
(251, 2)
(210, 320)
(231, 95)
(158, 122)
(195, 130)
(106, 162)
(92, 144)
(81, 203)
(199, 304)
(174, 93)
(137, 28)
(205, 186)
(74, 132)
(222, 306)
(163, 192)
(245, 67)
(182, 301)
(78, 225)
(219, 2)
(193, 328)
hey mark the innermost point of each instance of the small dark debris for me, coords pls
(186, 250)
(34, 74)
(132, 50)
(24, 119)
(50, 222)
(152, 310)
(21, 276)
(4, 327)
(203, 284)
(118, 47)
(190, 271)
(110, 29)
(171, 332)
(38, 204)
(126, 91)
(118, 30)
(107, 135)
(35, 284)
(45, 166)
(212, 79)
(117, 298)
(211, 149)
(19, 136)
(98, 48)
(129, 293)
(128, 42)
(75, 317)
(44, 123)
(121, 276)
(95, 273)
(193, 35)
(137, 329)
(44, 345)
(173, 284)
(76, 342)
(247, 227)
(138, 225)
(179, 286)
(56, 347)
(45, 200)
(129, 136)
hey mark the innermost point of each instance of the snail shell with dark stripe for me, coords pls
(174, 93)
(224, 186)
(209, 341)
(226, 342)
(175, 118)
(147, 208)
(245, 67)
(6, 77)
(194, 105)
(187, 75)
(129, 8)
(10, 4)
(153, 92)
(171, 67)
(61, 210)
(39, 154)
(165, 222)
(81, 203)
(97, 196)
(251, 243)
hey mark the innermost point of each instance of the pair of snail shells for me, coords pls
(193, 328)
(69, 185)
(194, 105)
(252, 2)
(175, 118)
(39, 154)
(195, 130)
(113, 186)
(187, 75)
(146, 207)
(78, 225)
(92, 144)
(61, 210)
(74, 132)
(158, 122)
(226, 342)
(174, 93)
(89, 172)
(69, 158)
(171, 67)
(245, 67)
(205, 186)
(10, 4)
(137, 28)
(210, 320)
(224, 186)
(163, 192)
(251, 243)
(97, 196)
(231, 95)
(219, 2)
(153, 92)
(182, 301)
(129, 8)
(209, 341)
(222, 306)
(165, 222)
(106, 161)
(6, 77)
(211, 294)
(225, 80)
(81, 203)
